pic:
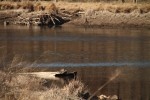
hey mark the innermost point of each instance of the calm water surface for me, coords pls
(96, 53)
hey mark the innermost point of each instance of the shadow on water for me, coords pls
(95, 53)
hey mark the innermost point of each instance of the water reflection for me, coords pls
(94, 52)
(64, 45)
(104, 64)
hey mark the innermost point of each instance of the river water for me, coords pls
(97, 54)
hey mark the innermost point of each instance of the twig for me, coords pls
(52, 20)
(117, 74)
(57, 19)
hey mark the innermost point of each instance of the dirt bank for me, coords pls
(106, 18)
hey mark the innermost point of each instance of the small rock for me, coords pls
(114, 97)
(103, 97)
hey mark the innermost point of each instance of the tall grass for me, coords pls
(71, 91)
(83, 0)
(111, 7)
(14, 86)
(31, 6)
(28, 88)
(49, 6)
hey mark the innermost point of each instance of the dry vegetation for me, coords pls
(17, 87)
(27, 88)
(112, 7)
(101, 13)
(32, 6)
(98, 6)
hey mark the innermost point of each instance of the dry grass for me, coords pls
(10, 82)
(45, 5)
(112, 7)
(21, 87)
(31, 6)
(71, 91)
(75, 88)
(29, 88)
(125, 8)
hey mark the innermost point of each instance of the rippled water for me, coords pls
(96, 53)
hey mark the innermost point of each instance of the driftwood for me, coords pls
(40, 19)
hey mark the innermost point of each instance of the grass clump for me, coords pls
(144, 9)
(15, 86)
(49, 6)
(29, 88)
(27, 5)
(68, 92)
